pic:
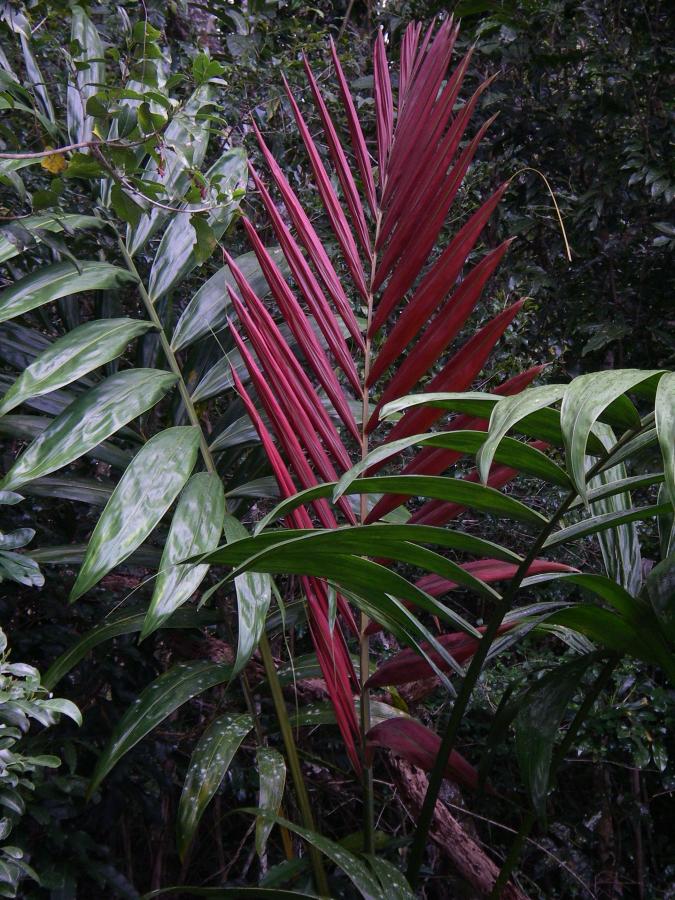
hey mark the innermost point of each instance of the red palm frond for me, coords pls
(417, 302)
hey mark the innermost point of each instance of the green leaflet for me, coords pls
(82, 490)
(254, 592)
(210, 761)
(272, 773)
(59, 280)
(36, 80)
(664, 410)
(208, 309)
(357, 872)
(88, 78)
(185, 141)
(88, 421)
(175, 258)
(116, 625)
(30, 427)
(455, 490)
(147, 489)
(660, 589)
(196, 527)
(537, 725)
(75, 354)
(511, 452)
(359, 538)
(606, 520)
(507, 413)
(47, 222)
(157, 701)
(586, 399)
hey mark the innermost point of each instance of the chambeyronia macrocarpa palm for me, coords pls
(376, 319)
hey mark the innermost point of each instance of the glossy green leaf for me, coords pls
(254, 592)
(506, 414)
(36, 80)
(82, 490)
(393, 881)
(613, 486)
(209, 763)
(475, 497)
(620, 546)
(511, 452)
(185, 142)
(209, 308)
(147, 489)
(59, 280)
(586, 399)
(594, 524)
(157, 701)
(196, 527)
(88, 421)
(664, 410)
(75, 354)
(357, 872)
(361, 538)
(88, 78)
(272, 773)
(175, 257)
(32, 225)
(118, 624)
(64, 707)
(538, 722)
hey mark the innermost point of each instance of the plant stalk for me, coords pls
(558, 757)
(473, 673)
(293, 762)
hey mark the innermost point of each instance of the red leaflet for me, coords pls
(411, 740)
(331, 203)
(355, 132)
(409, 666)
(434, 287)
(415, 115)
(306, 338)
(441, 330)
(418, 241)
(344, 173)
(295, 402)
(309, 287)
(489, 570)
(408, 50)
(311, 241)
(457, 374)
(285, 432)
(413, 152)
(384, 105)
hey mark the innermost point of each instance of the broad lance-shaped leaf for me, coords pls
(584, 401)
(185, 141)
(70, 357)
(121, 623)
(209, 763)
(89, 75)
(175, 258)
(357, 872)
(88, 421)
(506, 415)
(272, 774)
(157, 701)
(660, 589)
(147, 489)
(664, 412)
(416, 743)
(208, 309)
(59, 280)
(196, 527)
(15, 240)
(254, 592)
